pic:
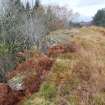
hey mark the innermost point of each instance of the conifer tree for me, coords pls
(27, 6)
(37, 3)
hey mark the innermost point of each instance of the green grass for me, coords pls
(48, 90)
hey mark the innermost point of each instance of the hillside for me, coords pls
(71, 73)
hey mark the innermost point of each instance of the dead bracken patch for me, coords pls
(63, 48)
(7, 96)
(24, 80)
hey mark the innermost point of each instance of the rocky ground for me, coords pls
(71, 72)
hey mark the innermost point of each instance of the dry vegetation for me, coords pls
(44, 60)
(76, 78)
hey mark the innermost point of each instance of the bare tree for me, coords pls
(35, 27)
(62, 13)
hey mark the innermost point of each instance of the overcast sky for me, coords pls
(86, 8)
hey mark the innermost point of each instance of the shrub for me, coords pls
(3, 49)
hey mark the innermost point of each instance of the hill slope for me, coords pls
(77, 76)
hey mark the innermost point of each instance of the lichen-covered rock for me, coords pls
(16, 83)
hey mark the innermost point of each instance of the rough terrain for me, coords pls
(71, 73)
